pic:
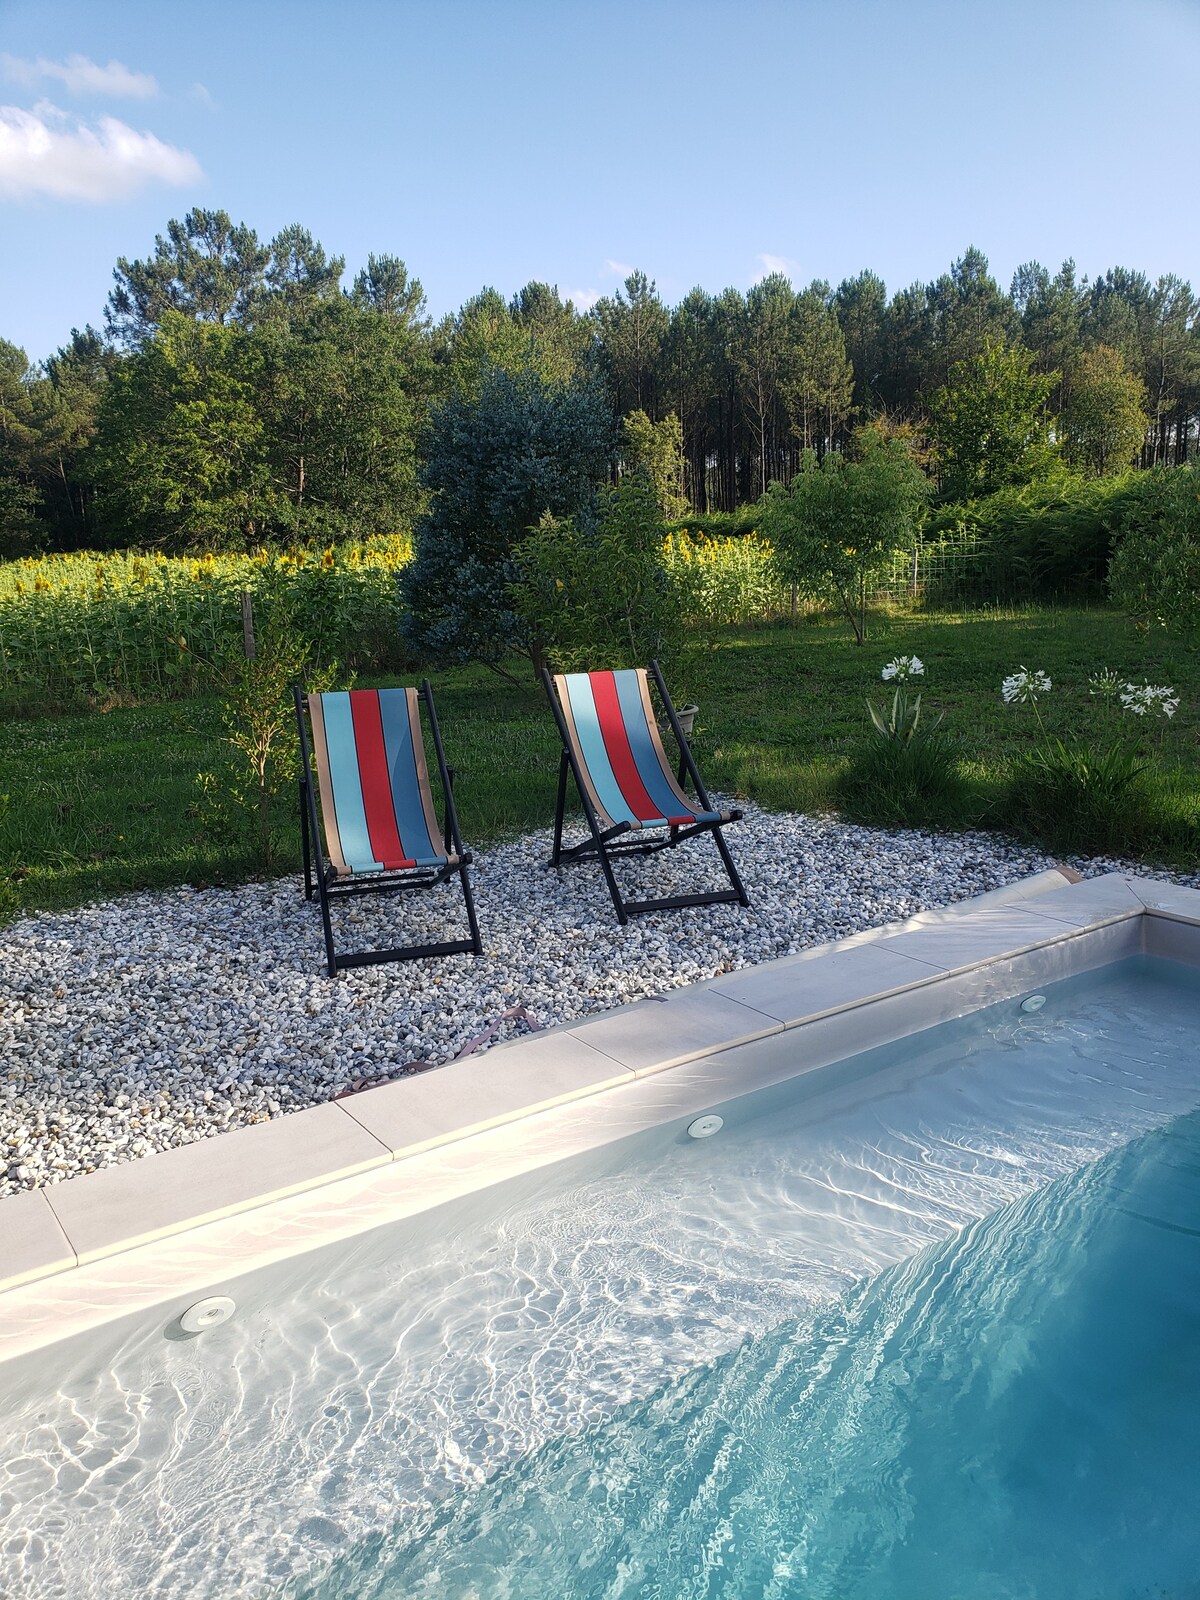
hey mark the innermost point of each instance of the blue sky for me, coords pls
(495, 141)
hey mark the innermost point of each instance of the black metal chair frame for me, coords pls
(328, 886)
(601, 844)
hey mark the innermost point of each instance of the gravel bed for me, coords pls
(156, 1020)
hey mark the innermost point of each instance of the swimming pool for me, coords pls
(672, 1366)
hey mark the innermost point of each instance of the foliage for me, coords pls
(818, 383)
(219, 436)
(990, 422)
(633, 327)
(902, 723)
(1154, 575)
(210, 269)
(240, 796)
(754, 377)
(495, 463)
(718, 524)
(1104, 420)
(719, 580)
(1071, 796)
(656, 448)
(20, 526)
(838, 521)
(341, 398)
(1051, 537)
(898, 783)
(535, 332)
(595, 593)
(783, 714)
(86, 628)
(178, 453)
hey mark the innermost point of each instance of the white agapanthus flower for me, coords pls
(1144, 699)
(1024, 685)
(1107, 684)
(903, 669)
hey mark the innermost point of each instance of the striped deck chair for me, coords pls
(612, 747)
(381, 830)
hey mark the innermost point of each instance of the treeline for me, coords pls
(241, 393)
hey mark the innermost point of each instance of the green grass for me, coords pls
(106, 802)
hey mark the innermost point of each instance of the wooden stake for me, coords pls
(248, 624)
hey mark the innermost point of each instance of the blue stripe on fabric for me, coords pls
(595, 754)
(402, 772)
(347, 785)
(654, 780)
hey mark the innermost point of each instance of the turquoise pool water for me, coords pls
(790, 1360)
(1014, 1412)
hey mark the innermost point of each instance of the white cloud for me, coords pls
(582, 299)
(42, 152)
(618, 268)
(771, 264)
(82, 76)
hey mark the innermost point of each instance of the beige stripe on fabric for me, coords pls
(414, 721)
(656, 740)
(333, 840)
(564, 700)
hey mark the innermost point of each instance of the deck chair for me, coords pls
(612, 748)
(381, 831)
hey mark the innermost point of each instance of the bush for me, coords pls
(596, 594)
(836, 526)
(1154, 574)
(894, 783)
(1052, 537)
(497, 461)
(1097, 802)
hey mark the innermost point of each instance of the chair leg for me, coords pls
(610, 879)
(560, 809)
(476, 941)
(305, 846)
(734, 877)
(328, 926)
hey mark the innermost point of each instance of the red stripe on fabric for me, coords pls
(616, 743)
(373, 775)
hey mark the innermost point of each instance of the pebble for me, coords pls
(156, 1020)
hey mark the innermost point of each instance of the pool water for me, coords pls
(1014, 1412)
(788, 1360)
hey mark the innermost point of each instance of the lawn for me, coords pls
(107, 802)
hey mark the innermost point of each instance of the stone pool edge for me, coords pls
(99, 1245)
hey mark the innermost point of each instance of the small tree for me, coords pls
(657, 449)
(594, 592)
(1105, 421)
(240, 799)
(838, 522)
(990, 422)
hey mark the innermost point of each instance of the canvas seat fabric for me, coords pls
(373, 781)
(620, 753)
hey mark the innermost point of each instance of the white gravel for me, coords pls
(155, 1020)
